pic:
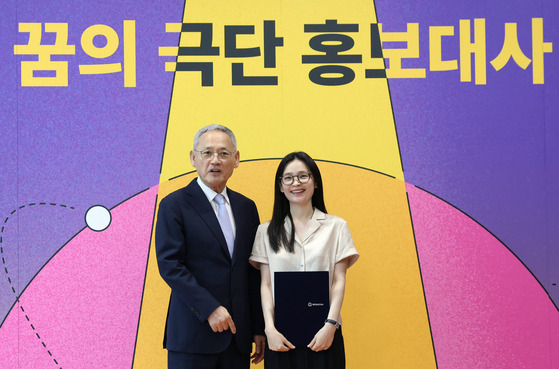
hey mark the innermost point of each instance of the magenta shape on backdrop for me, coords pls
(487, 311)
(82, 309)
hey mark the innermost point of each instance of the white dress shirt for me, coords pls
(211, 194)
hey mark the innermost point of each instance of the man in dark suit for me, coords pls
(203, 240)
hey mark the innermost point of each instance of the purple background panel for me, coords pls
(94, 142)
(490, 150)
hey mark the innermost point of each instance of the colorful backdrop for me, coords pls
(434, 124)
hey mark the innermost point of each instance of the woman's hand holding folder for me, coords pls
(276, 340)
(323, 338)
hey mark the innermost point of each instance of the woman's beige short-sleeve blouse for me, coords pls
(326, 242)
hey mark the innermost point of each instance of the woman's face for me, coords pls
(297, 192)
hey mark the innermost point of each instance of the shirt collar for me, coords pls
(211, 194)
(314, 224)
(317, 215)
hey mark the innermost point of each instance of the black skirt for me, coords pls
(305, 358)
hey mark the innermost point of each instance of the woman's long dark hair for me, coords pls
(277, 233)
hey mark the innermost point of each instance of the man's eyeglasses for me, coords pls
(221, 155)
(289, 179)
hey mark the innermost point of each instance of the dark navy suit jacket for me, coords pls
(194, 260)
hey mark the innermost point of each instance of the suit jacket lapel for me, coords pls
(202, 206)
(237, 216)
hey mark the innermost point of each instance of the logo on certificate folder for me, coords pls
(302, 301)
(311, 304)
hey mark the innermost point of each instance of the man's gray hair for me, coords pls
(214, 127)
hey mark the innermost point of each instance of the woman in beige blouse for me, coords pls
(320, 242)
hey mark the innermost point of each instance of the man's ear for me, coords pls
(192, 157)
(237, 158)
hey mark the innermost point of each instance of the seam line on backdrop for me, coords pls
(6, 220)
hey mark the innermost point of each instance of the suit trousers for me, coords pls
(231, 358)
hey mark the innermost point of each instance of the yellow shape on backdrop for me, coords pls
(385, 318)
(351, 123)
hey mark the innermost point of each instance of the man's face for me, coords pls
(214, 171)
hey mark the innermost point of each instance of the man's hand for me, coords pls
(220, 320)
(259, 345)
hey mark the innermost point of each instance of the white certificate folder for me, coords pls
(302, 301)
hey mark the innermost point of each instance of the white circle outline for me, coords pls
(104, 223)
